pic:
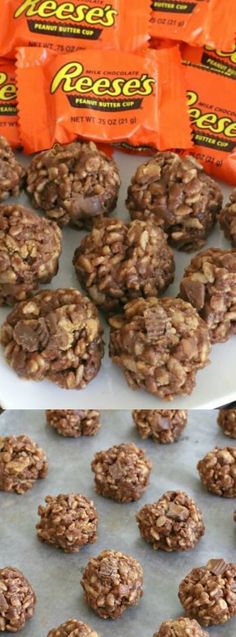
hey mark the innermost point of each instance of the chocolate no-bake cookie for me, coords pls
(176, 194)
(228, 219)
(121, 472)
(181, 627)
(160, 344)
(12, 174)
(112, 582)
(162, 425)
(74, 183)
(68, 522)
(18, 600)
(227, 421)
(209, 283)
(73, 628)
(22, 462)
(56, 335)
(218, 471)
(208, 593)
(173, 523)
(74, 422)
(119, 261)
(29, 251)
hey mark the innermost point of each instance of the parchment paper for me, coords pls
(56, 576)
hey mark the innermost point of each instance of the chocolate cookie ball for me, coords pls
(74, 422)
(11, 173)
(218, 471)
(18, 600)
(160, 344)
(29, 251)
(228, 219)
(208, 593)
(119, 261)
(177, 195)
(181, 627)
(57, 335)
(112, 582)
(173, 523)
(22, 462)
(74, 183)
(162, 425)
(227, 421)
(209, 283)
(73, 628)
(121, 472)
(68, 522)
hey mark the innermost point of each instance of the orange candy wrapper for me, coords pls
(120, 97)
(223, 62)
(212, 110)
(66, 27)
(198, 22)
(8, 103)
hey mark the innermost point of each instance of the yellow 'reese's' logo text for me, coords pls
(231, 55)
(69, 78)
(103, 16)
(7, 91)
(209, 121)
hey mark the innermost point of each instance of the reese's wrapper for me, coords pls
(223, 62)
(120, 97)
(212, 110)
(69, 26)
(197, 22)
(8, 103)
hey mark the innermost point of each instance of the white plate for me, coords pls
(216, 384)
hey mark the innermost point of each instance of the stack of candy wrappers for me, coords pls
(141, 75)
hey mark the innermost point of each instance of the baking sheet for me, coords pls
(56, 575)
(109, 389)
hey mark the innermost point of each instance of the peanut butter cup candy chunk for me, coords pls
(74, 183)
(12, 174)
(228, 219)
(18, 600)
(29, 251)
(57, 335)
(208, 593)
(217, 471)
(227, 421)
(119, 261)
(177, 195)
(162, 425)
(160, 344)
(121, 472)
(68, 522)
(22, 462)
(112, 582)
(72, 628)
(209, 283)
(181, 627)
(173, 523)
(74, 422)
